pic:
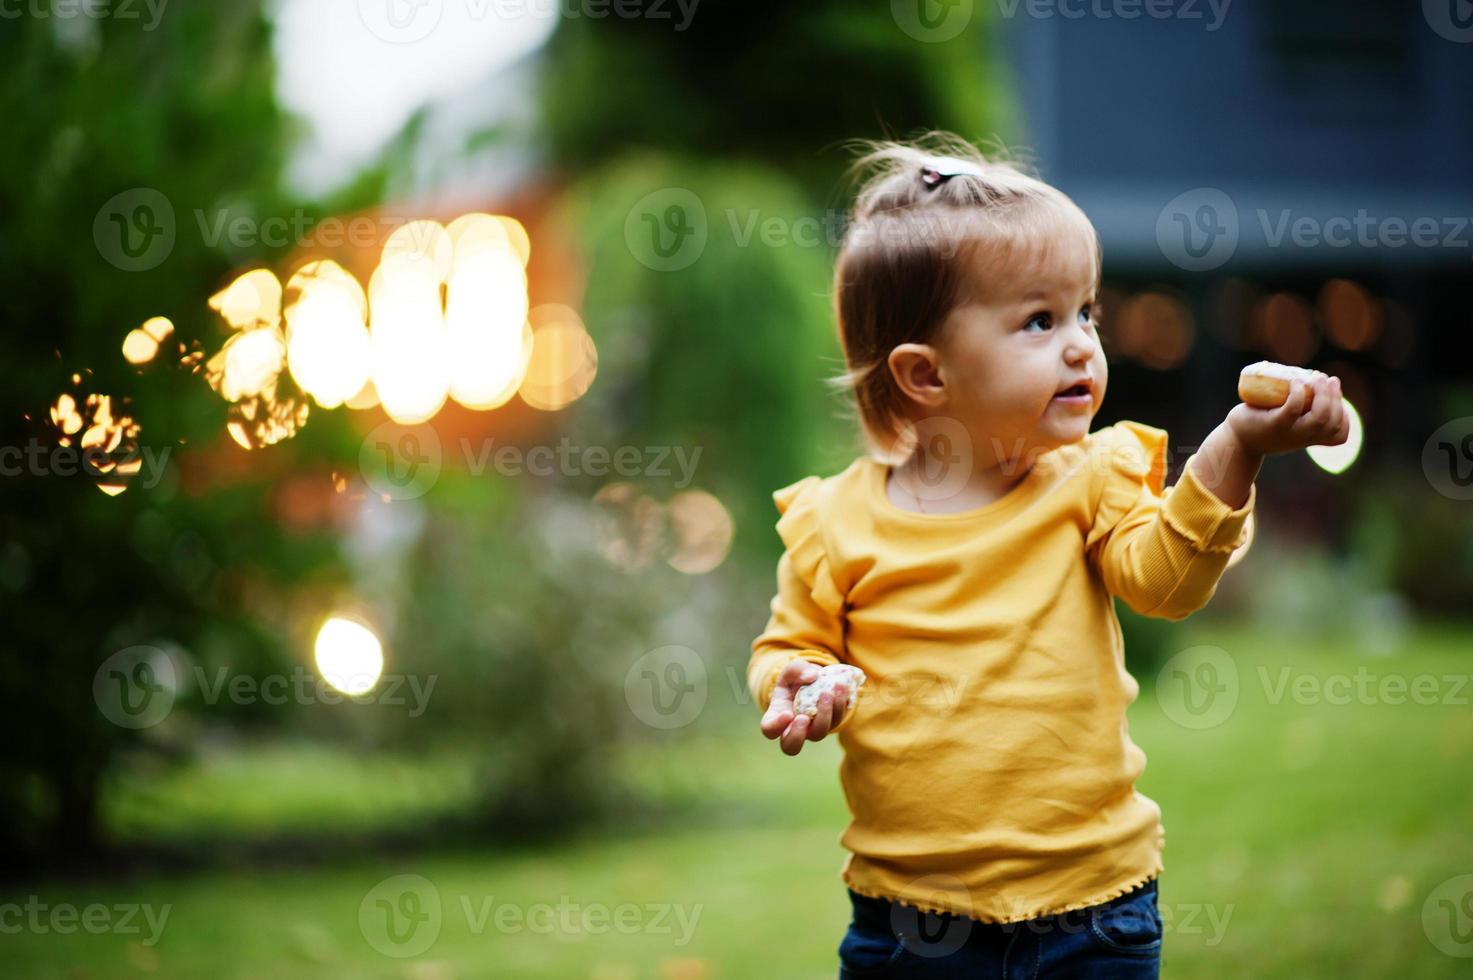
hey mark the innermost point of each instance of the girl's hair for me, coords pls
(935, 225)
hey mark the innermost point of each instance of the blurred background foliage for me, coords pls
(501, 590)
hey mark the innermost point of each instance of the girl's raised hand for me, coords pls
(794, 730)
(1265, 431)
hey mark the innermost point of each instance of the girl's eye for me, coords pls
(1042, 319)
(1086, 313)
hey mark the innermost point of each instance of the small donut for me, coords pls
(1266, 384)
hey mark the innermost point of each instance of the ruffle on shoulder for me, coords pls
(1125, 457)
(799, 527)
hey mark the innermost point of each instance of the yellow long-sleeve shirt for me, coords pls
(986, 765)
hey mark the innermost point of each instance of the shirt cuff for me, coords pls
(1202, 517)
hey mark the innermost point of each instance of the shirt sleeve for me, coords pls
(807, 613)
(1160, 549)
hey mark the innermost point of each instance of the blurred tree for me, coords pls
(729, 130)
(179, 117)
(765, 83)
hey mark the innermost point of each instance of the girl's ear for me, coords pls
(916, 370)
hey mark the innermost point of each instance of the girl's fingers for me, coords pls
(1338, 417)
(777, 719)
(841, 702)
(1294, 406)
(792, 741)
(820, 726)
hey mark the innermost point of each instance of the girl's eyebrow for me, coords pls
(1039, 296)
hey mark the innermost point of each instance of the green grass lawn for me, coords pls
(1303, 839)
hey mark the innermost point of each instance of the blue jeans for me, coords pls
(1117, 940)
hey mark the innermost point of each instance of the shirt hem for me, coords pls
(994, 919)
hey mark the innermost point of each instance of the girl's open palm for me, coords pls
(780, 719)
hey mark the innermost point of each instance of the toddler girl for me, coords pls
(967, 565)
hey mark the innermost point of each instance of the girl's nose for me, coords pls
(1081, 346)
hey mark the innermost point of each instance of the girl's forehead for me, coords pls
(1061, 258)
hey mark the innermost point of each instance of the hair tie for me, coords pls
(942, 169)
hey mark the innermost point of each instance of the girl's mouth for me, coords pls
(1077, 395)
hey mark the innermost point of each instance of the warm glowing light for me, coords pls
(366, 398)
(1285, 326)
(486, 327)
(702, 528)
(110, 441)
(445, 315)
(424, 244)
(64, 416)
(1352, 317)
(248, 364)
(1337, 459)
(349, 656)
(251, 300)
(1157, 329)
(327, 341)
(410, 355)
(267, 418)
(564, 359)
(627, 524)
(142, 344)
(516, 237)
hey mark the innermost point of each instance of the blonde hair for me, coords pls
(934, 225)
